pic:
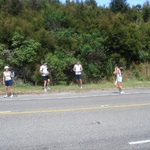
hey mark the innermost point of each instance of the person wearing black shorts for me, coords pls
(44, 72)
(7, 81)
(78, 76)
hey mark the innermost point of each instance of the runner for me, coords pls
(78, 69)
(118, 81)
(45, 77)
(7, 81)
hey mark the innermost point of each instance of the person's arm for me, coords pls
(41, 70)
(81, 68)
(74, 68)
(115, 70)
(10, 74)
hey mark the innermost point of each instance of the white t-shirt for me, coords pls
(7, 76)
(78, 69)
(43, 69)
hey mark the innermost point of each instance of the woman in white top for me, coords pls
(78, 69)
(7, 81)
(118, 81)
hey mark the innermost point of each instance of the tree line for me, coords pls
(32, 31)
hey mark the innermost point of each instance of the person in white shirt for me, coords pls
(78, 69)
(7, 81)
(118, 81)
(44, 72)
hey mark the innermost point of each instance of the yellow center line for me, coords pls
(74, 109)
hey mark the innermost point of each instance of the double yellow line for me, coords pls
(73, 109)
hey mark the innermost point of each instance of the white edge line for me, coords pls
(139, 142)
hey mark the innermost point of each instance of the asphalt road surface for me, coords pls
(93, 120)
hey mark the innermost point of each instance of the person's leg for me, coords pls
(116, 84)
(11, 91)
(80, 81)
(48, 84)
(45, 85)
(44, 82)
(77, 79)
(6, 91)
(119, 86)
(10, 88)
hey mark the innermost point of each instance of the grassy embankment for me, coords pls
(28, 89)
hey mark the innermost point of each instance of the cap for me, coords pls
(6, 67)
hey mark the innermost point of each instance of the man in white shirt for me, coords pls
(78, 69)
(44, 72)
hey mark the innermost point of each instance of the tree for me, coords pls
(23, 50)
(92, 53)
(146, 12)
(91, 2)
(119, 6)
(124, 40)
(23, 54)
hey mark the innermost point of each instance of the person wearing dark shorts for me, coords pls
(45, 77)
(44, 72)
(7, 81)
(78, 76)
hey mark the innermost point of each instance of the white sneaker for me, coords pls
(5, 96)
(11, 96)
(81, 87)
(45, 90)
(122, 92)
(48, 88)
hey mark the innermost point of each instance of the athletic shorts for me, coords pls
(45, 78)
(78, 76)
(119, 79)
(8, 83)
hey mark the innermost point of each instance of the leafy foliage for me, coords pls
(23, 50)
(36, 30)
(119, 6)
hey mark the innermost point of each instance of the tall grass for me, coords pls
(135, 77)
(29, 89)
(139, 72)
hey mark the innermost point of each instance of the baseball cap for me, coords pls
(6, 67)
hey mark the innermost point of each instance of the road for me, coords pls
(93, 120)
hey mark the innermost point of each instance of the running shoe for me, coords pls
(5, 96)
(45, 90)
(122, 92)
(48, 88)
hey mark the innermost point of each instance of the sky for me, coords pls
(107, 2)
(130, 2)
